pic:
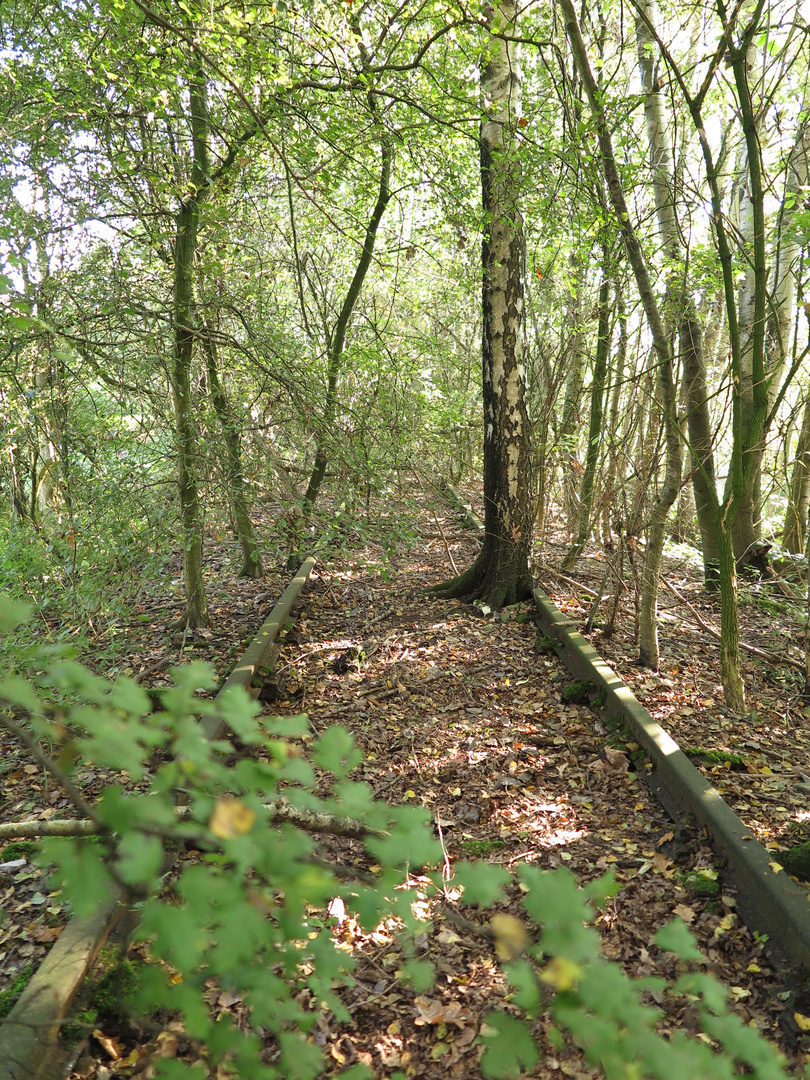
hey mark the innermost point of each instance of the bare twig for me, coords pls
(567, 580)
(763, 654)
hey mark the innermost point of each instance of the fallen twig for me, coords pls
(309, 820)
(763, 654)
(568, 581)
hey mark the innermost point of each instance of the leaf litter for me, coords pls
(464, 715)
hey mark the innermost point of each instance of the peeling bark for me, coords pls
(500, 575)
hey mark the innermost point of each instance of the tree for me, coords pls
(500, 574)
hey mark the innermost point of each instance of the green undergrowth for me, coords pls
(479, 849)
(578, 692)
(247, 915)
(547, 646)
(106, 995)
(620, 738)
(11, 995)
(715, 757)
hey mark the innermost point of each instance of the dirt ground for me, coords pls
(460, 712)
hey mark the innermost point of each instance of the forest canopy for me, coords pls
(241, 257)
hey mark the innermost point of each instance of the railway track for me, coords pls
(780, 910)
(770, 901)
(30, 1047)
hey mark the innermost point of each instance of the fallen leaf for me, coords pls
(510, 936)
(686, 913)
(231, 818)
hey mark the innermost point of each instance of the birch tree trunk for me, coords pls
(500, 574)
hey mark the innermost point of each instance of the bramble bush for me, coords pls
(241, 912)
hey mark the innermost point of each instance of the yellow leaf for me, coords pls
(231, 818)
(766, 771)
(456, 791)
(561, 973)
(409, 794)
(510, 936)
(775, 866)
(802, 1021)
(754, 968)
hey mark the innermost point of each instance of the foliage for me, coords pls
(10, 996)
(244, 905)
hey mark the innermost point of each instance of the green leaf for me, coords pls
(13, 613)
(527, 996)
(18, 691)
(419, 974)
(336, 752)
(482, 882)
(511, 1050)
(239, 712)
(140, 859)
(288, 727)
(676, 938)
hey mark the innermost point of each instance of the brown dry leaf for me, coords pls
(610, 760)
(433, 1011)
(686, 913)
(44, 934)
(166, 1045)
(231, 818)
(111, 1045)
(511, 938)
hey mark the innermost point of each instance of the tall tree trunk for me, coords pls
(793, 533)
(678, 298)
(668, 492)
(500, 574)
(571, 421)
(338, 342)
(237, 494)
(185, 251)
(595, 433)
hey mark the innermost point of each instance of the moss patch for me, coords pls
(578, 693)
(701, 885)
(796, 861)
(715, 757)
(18, 849)
(11, 995)
(479, 848)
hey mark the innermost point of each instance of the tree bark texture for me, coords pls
(185, 251)
(668, 491)
(237, 494)
(338, 342)
(595, 432)
(793, 534)
(500, 575)
(678, 299)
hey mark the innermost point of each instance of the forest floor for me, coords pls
(459, 712)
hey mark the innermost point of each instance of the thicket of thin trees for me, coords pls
(243, 259)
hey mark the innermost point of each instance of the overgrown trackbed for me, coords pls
(462, 714)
